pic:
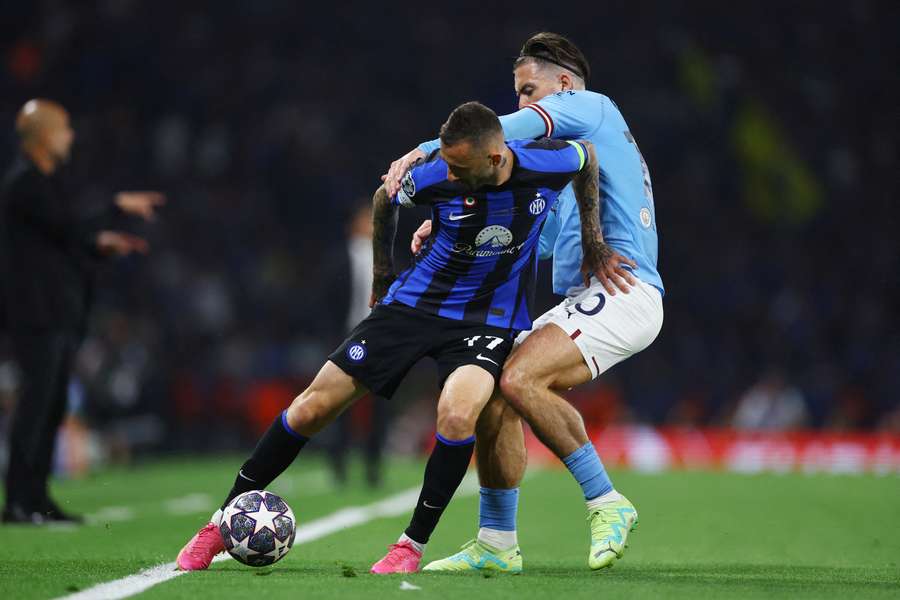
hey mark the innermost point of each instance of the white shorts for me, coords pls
(607, 329)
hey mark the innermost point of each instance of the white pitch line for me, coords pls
(345, 518)
(188, 505)
(110, 513)
(305, 483)
(129, 586)
(310, 483)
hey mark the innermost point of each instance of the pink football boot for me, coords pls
(199, 552)
(401, 558)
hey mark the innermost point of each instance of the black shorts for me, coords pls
(386, 344)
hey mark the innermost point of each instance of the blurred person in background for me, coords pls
(353, 281)
(772, 404)
(48, 259)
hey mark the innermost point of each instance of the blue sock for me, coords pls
(498, 509)
(585, 466)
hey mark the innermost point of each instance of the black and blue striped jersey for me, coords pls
(481, 263)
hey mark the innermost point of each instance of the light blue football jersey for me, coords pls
(628, 217)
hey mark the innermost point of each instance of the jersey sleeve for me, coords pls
(415, 187)
(569, 114)
(554, 156)
(525, 124)
(429, 146)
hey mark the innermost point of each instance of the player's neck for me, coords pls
(506, 166)
(40, 158)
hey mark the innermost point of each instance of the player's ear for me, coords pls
(496, 159)
(565, 82)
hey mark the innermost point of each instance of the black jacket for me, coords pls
(47, 253)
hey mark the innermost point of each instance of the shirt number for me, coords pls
(495, 341)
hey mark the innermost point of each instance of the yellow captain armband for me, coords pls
(581, 154)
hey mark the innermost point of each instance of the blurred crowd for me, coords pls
(770, 136)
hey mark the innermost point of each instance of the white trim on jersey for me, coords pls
(548, 121)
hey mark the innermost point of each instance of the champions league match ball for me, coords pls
(258, 528)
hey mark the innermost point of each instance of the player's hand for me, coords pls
(398, 169)
(140, 204)
(119, 243)
(607, 266)
(419, 237)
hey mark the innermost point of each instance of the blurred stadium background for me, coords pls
(771, 135)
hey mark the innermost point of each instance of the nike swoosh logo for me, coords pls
(241, 473)
(425, 503)
(461, 216)
(480, 357)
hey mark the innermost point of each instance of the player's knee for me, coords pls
(298, 416)
(305, 415)
(456, 423)
(513, 383)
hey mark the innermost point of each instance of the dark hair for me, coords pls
(556, 49)
(473, 122)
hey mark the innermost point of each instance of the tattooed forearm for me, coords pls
(586, 185)
(384, 222)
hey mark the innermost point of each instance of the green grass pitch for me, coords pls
(701, 535)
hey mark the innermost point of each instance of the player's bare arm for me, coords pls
(384, 222)
(599, 259)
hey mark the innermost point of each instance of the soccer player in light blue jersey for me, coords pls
(593, 329)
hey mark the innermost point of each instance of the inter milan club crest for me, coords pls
(537, 205)
(357, 352)
(469, 201)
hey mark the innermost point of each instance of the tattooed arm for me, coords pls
(384, 221)
(599, 259)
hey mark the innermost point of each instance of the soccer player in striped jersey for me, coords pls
(462, 303)
(593, 329)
